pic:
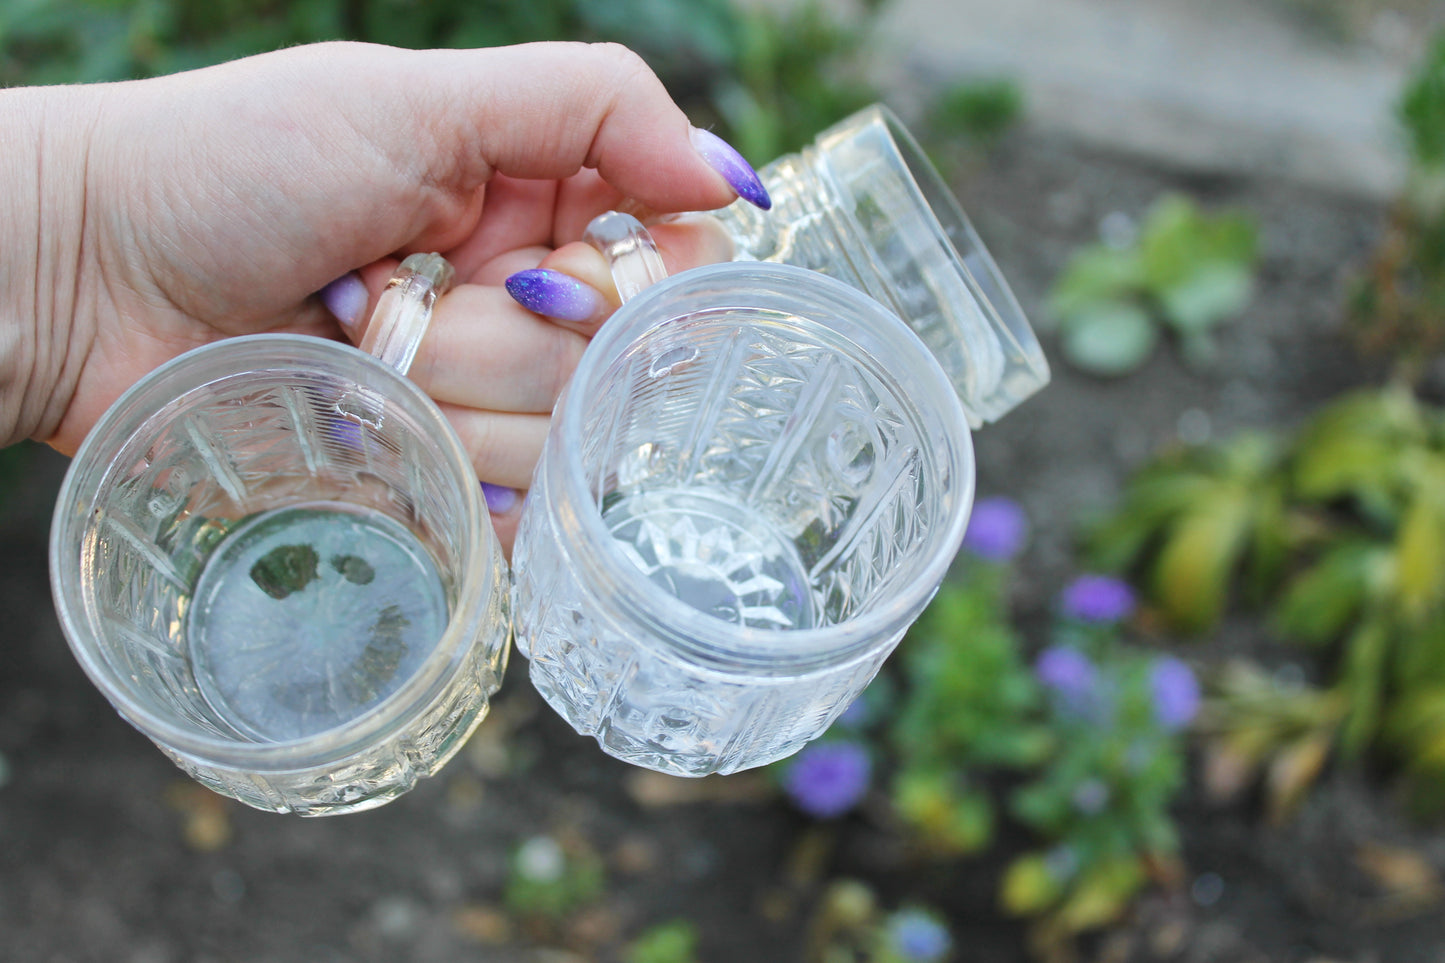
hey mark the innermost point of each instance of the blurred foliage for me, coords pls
(1185, 271)
(772, 77)
(1340, 533)
(980, 736)
(971, 707)
(549, 881)
(672, 942)
(1398, 308)
(1099, 805)
(1258, 729)
(849, 926)
(1200, 515)
(966, 120)
(979, 110)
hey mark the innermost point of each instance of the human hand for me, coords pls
(158, 215)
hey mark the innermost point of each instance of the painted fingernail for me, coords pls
(500, 499)
(346, 299)
(556, 295)
(723, 158)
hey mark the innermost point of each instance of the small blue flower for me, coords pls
(1099, 599)
(828, 778)
(1176, 693)
(918, 937)
(1067, 672)
(997, 529)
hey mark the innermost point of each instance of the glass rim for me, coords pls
(267, 352)
(937, 202)
(725, 645)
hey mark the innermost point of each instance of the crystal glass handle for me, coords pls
(630, 251)
(404, 311)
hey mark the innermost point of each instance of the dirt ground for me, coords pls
(108, 854)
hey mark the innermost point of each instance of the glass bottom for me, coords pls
(306, 617)
(718, 555)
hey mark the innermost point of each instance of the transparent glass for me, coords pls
(864, 204)
(755, 481)
(318, 688)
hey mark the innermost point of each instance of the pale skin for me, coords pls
(147, 218)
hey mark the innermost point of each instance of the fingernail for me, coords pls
(723, 158)
(346, 299)
(555, 295)
(500, 499)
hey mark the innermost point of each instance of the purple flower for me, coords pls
(1176, 692)
(1068, 672)
(828, 778)
(1098, 598)
(918, 937)
(997, 529)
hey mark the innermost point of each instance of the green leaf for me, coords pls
(1363, 681)
(1103, 893)
(1094, 275)
(1212, 292)
(671, 942)
(1420, 558)
(1195, 566)
(1320, 603)
(1112, 338)
(1029, 886)
(1354, 448)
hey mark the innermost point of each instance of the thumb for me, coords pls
(546, 110)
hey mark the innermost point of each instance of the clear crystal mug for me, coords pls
(272, 556)
(755, 481)
(863, 204)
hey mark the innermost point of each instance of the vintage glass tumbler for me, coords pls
(273, 558)
(754, 483)
(863, 204)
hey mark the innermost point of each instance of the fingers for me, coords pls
(504, 449)
(483, 351)
(573, 285)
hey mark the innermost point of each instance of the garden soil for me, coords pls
(108, 854)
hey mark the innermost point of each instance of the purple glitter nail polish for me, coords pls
(723, 158)
(555, 295)
(500, 499)
(346, 298)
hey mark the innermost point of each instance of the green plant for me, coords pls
(1399, 306)
(971, 708)
(1194, 518)
(1339, 532)
(1256, 728)
(977, 110)
(1372, 465)
(850, 927)
(1100, 803)
(549, 881)
(791, 72)
(1187, 271)
(672, 942)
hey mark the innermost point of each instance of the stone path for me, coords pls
(1213, 85)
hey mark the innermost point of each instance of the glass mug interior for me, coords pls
(754, 483)
(273, 457)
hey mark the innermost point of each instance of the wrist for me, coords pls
(45, 331)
